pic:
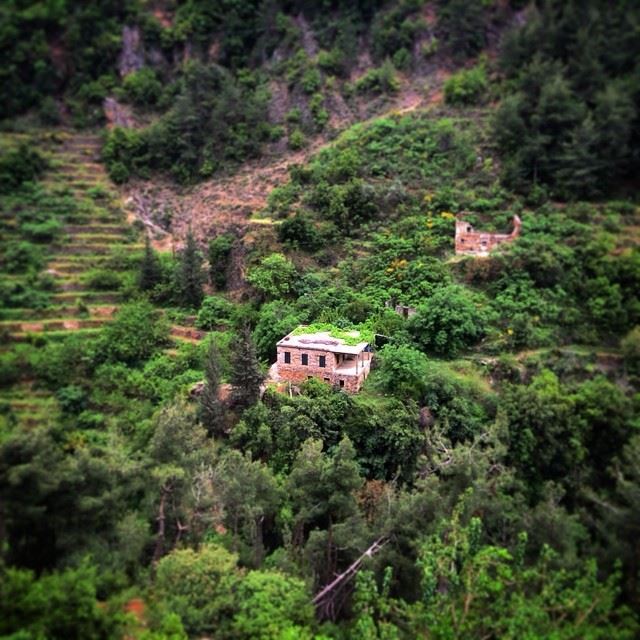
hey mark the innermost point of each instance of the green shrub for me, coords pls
(402, 371)
(21, 256)
(381, 80)
(402, 59)
(215, 310)
(45, 231)
(297, 140)
(143, 87)
(333, 62)
(218, 254)
(274, 277)
(299, 231)
(450, 320)
(20, 165)
(466, 87)
(103, 280)
(311, 80)
(136, 333)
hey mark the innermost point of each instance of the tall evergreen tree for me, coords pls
(190, 274)
(211, 409)
(246, 377)
(150, 271)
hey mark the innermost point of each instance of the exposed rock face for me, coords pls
(132, 56)
(476, 243)
(117, 115)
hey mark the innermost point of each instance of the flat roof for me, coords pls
(322, 341)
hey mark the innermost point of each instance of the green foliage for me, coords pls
(90, 39)
(403, 371)
(150, 273)
(57, 605)
(219, 251)
(466, 87)
(142, 87)
(299, 232)
(272, 605)
(214, 311)
(136, 333)
(20, 165)
(297, 140)
(570, 126)
(630, 346)
(189, 274)
(21, 256)
(246, 377)
(275, 320)
(463, 27)
(348, 336)
(274, 277)
(492, 594)
(450, 320)
(198, 586)
(211, 408)
(216, 119)
(380, 80)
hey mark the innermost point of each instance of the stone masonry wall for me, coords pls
(472, 242)
(297, 372)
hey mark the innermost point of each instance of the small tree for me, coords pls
(211, 409)
(190, 275)
(150, 270)
(246, 377)
(219, 251)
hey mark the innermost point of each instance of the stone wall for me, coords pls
(297, 372)
(477, 243)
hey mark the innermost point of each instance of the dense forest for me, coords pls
(185, 182)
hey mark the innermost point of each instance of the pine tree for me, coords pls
(190, 274)
(211, 409)
(246, 377)
(150, 271)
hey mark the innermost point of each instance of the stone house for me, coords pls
(343, 363)
(478, 243)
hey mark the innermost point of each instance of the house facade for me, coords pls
(479, 243)
(344, 364)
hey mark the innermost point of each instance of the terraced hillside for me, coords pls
(70, 259)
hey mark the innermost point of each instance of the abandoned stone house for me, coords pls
(478, 243)
(321, 355)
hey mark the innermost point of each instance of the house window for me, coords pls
(341, 384)
(305, 359)
(287, 357)
(322, 361)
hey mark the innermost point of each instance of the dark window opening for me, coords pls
(305, 359)
(287, 357)
(341, 384)
(322, 361)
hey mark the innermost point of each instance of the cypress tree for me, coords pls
(211, 408)
(190, 274)
(246, 377)
(150, 271)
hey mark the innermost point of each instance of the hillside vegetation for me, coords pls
(183, 183)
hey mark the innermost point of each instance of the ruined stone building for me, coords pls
(401, 309)
(478, 243)
(321, 355)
